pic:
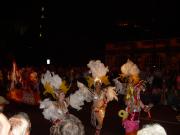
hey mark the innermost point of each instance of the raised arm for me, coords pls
(77, 99)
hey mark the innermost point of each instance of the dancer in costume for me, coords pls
(100, 96)
(63, 123)
(130, 116)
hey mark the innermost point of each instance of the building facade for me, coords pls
(159, 53)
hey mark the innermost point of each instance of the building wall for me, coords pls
(159, 53)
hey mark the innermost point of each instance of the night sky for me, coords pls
(80, 30)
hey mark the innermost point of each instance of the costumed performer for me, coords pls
(100, 95)
(63, 122)
(130, 116)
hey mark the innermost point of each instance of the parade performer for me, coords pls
(130, 116)
(100, 95)
(56, 111)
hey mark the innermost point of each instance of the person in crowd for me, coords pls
(152, 129)
(3, 103)
(174, 95)
(20, 124)
(4, 125)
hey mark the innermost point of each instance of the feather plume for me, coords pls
(50, 111)
(83, 94)
(51, 78)
(97, 68)
(111, 94)
(120, 87)
(129, 68)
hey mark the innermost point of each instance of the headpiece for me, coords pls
(53, 83)
(130, 69)
(98, 71)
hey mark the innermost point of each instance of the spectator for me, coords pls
(3, 103)
(174, 95)
(154, 129)
(20, 124)
(4, 125)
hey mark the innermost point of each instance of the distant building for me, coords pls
(146, 53)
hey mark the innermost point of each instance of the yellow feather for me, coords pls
(129, 93)
(64, 87)
(49, 89)
(90, 81)
(105, 80)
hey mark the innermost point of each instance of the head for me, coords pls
(33, 77)
(20, 124)
(97, 84)
(60, 95)
(3, 103)
(154, 129)
(4, 125)
(71, 126)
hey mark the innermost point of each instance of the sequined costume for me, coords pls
(130, 116)
(100, 96)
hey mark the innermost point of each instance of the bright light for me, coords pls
(48, 61)
(42, 8)
(42, 16)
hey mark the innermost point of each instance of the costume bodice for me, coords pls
(133, 100)
(99, 100)
(62, 108)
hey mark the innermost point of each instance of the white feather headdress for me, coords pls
(54, 80)
(97, 69)
(130, 69)
(111, 94)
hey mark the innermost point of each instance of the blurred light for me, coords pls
(42, 8)
(40, 35)
(42, 16)
(40, 26)
(48, 61)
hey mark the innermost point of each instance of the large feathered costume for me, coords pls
(57, 111)
(101, 98)
(130, 115)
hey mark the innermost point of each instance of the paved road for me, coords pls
(112, 123)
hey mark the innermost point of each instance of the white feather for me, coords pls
(129, 68)
(111, 94)
(83, 94)
(120, 87)
(97, 68)
(54, 79)
(50, 111)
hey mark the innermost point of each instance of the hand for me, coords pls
(148, 107)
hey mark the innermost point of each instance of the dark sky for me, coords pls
(83, 28)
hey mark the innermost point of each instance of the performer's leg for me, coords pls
(97, 131)
(100, 118)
